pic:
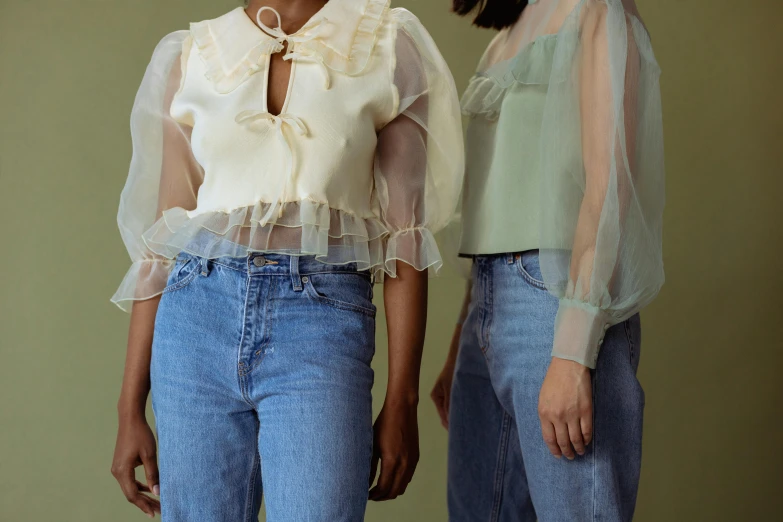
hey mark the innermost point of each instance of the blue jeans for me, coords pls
(261, 379)
(499, 467)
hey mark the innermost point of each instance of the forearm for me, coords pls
(136, 380)
(405, 300)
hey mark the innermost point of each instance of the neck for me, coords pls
(293, 13)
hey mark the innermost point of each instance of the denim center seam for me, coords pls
(265, 322)
(241, 374)
(500, 470)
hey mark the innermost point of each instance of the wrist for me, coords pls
(131, 408)
(402, 399)
(569, 364)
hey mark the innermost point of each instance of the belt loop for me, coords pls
(204, 266)
(510, 258)
(296, 281)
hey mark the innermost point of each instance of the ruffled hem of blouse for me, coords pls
(531, 66)
(364, 40)
(303, 228)
(145, 279)
(209, 51)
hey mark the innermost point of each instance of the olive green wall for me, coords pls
(712, 350)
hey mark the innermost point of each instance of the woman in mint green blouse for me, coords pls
(562, 214)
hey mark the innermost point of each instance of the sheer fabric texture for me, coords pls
(600, 157)
(364, 164)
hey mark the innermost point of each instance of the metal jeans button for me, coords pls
(259, 261)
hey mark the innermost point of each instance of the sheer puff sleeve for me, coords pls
(602, 203)
(419, 159)
(163, 173)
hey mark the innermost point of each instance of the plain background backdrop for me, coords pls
(712, 351)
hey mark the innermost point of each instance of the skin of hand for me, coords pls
(441, 392)
(565, 408)
(135, 441)
(396, 430)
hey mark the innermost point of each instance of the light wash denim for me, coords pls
(261, 380)
(500, 470)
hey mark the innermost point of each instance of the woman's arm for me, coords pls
(418, 175)
(135, 442)
(163, 175)
(397, 434)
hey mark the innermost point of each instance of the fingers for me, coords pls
(440, 399)
(386, 480)
(126, 478)
(150, 463)
(575, 436)
(374, 467)
(447, 407)
(586, 425)
(550, 438)
(563, 440)
(396, 474)
(404, 477)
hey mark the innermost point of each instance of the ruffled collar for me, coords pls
(232, 45)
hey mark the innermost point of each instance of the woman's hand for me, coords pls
(565, 407)
(396, 447)
(135, 447)
(441, 392)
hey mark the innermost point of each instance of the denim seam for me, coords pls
(631, 347)
(485, 325)
(529, 278)
(313, 294)
(267, 327)
(500, 470)
(251, 489)
(182, 283)
(241, 380)
(337, 268)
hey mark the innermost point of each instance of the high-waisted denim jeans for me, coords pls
(261, 380)
(500, 470)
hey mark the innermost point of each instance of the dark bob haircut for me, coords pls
(493, 14)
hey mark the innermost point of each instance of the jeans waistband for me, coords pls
(274, 264)
(507, 257)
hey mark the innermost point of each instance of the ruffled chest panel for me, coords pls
(487, 90)
(319, 148)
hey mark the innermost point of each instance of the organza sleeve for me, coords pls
(603, 193)
(419, 157)
(163, 172)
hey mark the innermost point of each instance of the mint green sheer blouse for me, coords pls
(565, 155)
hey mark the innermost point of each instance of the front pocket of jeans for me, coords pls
(341, 303)
(182, 275)
(527, 276)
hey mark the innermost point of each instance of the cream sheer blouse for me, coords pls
(598, 158)
(363, 164)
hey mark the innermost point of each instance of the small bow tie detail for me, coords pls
(295, 50)
(249, 117)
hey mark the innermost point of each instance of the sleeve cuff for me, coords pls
(145, 279)
(579, 332)
(414, 246)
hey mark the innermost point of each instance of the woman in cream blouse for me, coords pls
(285, 156)
(562, 212)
